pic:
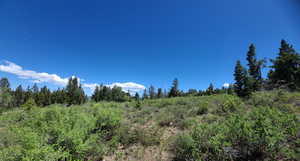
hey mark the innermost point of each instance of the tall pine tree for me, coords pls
(174, 92)
(242, 83)
(286, 67)
(74, 91)
(254, 69)
(152, 92)
(159, 93)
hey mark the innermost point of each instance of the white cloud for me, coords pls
(36, 77)
(226, 85)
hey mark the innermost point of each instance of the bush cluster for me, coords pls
(262, 134)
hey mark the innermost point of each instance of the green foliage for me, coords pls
(202, 108)
(74, 92)
(29, 104)
(242, 85)
(104, 93)
(262, 134)
(215, 127)
(184, 148)
(149, 136)
(210, 90)
(231, 104)
(60, 133)
(286, 68)
(6, 98)
(254, 68)
(174, 92)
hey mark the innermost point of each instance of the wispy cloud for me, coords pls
(37, 77)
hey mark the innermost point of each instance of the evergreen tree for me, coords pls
(242, 82)
(210, 90)
(145, 96)
(75, 93)
(286, 67)
(44, 97)
(106, 93)
(6, 99)
(28, 93)
(159, 93)
(174, 92)
(4, 83)
(96, 94)
(117, 94)
(137, 96)
(35, 91)
(192, 92)
(152, 92)
(254, 68)
(19, 96)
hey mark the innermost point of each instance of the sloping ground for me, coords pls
(218, 127)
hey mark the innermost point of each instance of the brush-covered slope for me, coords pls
(217, 127)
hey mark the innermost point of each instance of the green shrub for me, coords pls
(184, 148)
(230, 104)
(188, 123)
(126, 134)
(149, 136)
(29, 104)
(263, 134)
(60, 133)
(202, 108)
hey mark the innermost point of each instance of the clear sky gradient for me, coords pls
(146, 42)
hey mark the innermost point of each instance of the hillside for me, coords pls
(217, 127)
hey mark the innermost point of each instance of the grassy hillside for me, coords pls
(219, 127)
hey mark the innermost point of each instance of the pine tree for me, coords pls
(137, 96)
(4, 83)
(192, 92)
(210, 90)
(117, 94)
(28, 93)
(6, 99)
(159, 93)
(152, 92)
(242, 82)
(254, 68)
(96, 96)
(145, 96)
(19, 96)
(107, 93)
(74, 91)
(286, 67)
(44, 97)
(174, 92)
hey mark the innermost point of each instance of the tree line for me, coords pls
(284, 73)
(71, 94)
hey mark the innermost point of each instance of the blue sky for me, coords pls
(145, 42)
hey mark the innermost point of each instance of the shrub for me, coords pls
(263, 134)
(202, 108)
(149, 136)
(59, 133)
(184, 148)
(231, 104)
(29, 104)
(126, 135)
